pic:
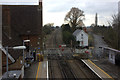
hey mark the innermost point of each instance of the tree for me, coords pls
(116, 27)
(66, 27)
(47, 28)
(67, 37)
(75, 18)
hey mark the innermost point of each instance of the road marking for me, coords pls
(100, 69)
(38, 70)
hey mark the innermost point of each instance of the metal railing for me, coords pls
(9, 56)
(111, 53)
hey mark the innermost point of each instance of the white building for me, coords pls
(82, 37)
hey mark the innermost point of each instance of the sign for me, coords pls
(63, 45)
(60, 46)
(62, 49)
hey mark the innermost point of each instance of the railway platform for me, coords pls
(42, 71)
(112, 69)
(37, 70)
(98, 71)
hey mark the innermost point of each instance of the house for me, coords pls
(82, 37)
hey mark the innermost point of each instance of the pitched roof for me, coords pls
(76, 32)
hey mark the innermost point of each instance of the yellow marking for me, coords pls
(100, 69)
(38, 71)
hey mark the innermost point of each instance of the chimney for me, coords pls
(40, 4)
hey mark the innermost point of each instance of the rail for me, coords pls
(9, 56)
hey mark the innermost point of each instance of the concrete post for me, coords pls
(0, 40)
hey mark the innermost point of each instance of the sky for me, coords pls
(19, 2)
(54, 11)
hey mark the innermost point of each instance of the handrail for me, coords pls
(9, 56)
(115, 50)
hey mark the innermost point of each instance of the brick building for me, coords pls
(20, 23)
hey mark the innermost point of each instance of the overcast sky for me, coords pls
(54, 11)
(19, 2)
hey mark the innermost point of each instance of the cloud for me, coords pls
(19, 2)
(58, 8)
(108, 7)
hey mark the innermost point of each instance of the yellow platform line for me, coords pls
(100, 69)
(38, 70)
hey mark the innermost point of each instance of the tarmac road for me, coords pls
(98, 42)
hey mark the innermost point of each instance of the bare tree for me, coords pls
(75, 17)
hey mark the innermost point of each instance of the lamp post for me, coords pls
(17, 47)
(24, 41)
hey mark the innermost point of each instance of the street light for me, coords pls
(23, 49)
(24, 41)
(16, 47)
(19, 47)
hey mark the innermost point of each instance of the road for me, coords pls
(98, 42)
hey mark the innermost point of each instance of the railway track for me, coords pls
(70, 69)
(65, 67)
(66, 70)
(54, 70)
